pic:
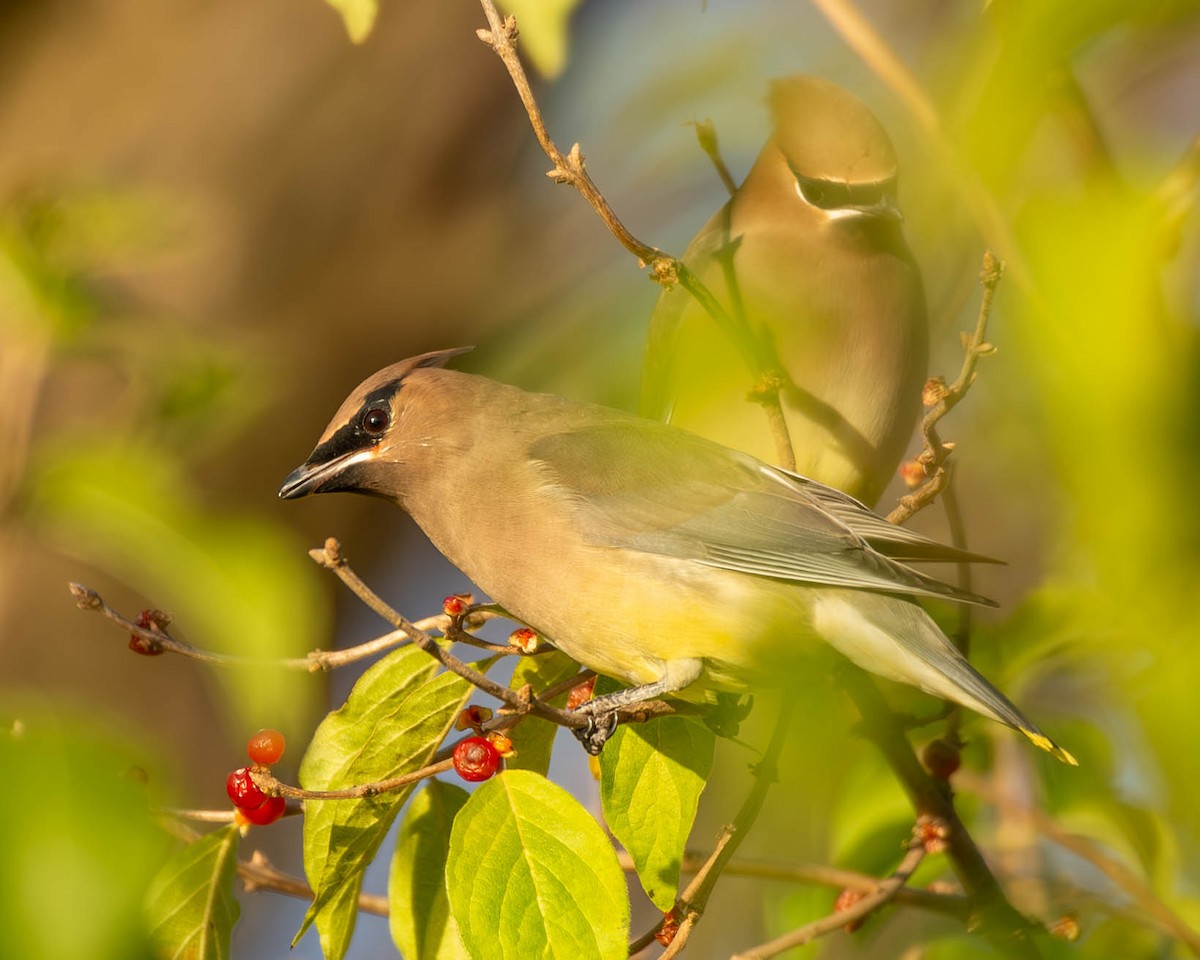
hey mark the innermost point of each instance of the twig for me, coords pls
(319, 660)
(1115, 870)
(706, 136)
(884, 892)
(330, 557)
(258, 873)
(757, 352)
(940, 399)
(948, 904)
(1003, 925)
(694, 898)
(268, 784)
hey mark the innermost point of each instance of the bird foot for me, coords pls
(600, 726)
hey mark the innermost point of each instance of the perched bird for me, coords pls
(810, 254)
(644, 552)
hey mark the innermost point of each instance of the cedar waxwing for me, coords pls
(646, 553)
(810, 251)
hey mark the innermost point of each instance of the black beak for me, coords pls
(315, 477)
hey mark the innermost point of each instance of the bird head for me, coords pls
(840, 156)
(365, 440)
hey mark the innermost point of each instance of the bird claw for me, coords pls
(599, 728)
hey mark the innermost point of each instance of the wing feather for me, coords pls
(640, 485)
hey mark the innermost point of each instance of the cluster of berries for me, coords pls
(251, 805)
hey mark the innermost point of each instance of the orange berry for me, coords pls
(266, 746)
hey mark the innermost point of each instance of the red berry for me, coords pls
(243, 791)
(268, 811)
(456, 604)
(475, 759)
(266, 746)
(941, 758)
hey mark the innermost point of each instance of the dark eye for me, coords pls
(375, 421)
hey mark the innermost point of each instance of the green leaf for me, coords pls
(651, 777)
(545, 31)
(422, 927)
(358, 17)
(533, 738)
(191, 904)
(392, 722)
(78, 843)
(531, 875)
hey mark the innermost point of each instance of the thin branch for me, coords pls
(706, 136)
(568, 168)
(868, 904)
(758, 353)
(997, 919)
(162, 641)
(268, 784)
(523, 702)
(1088, 849)
(947, 904)
(940, 399)
(257, 873)
(694, 898)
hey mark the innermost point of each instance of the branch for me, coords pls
(692, 902)
(864, 907)
(997, 919)
(158, 640)
(257, 873)
(757, 352)
(1088, 849)
(521, 701)
(268, 784)
(940, 399)
(947, 904)
(706, 136)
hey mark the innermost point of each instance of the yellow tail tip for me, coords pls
(1045, 743)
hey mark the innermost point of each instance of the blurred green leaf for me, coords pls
(419, 908)
(545, 31)
(651, 777)
(234, 584)
(533, 738)
(392, 723)
(358, 17)
(79, 845)
(531, 874)
(191, 904)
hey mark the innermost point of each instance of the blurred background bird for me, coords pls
(810, 254)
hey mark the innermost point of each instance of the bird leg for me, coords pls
(601, 711)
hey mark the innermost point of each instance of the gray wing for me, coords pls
(643, 486)
(890, 539)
